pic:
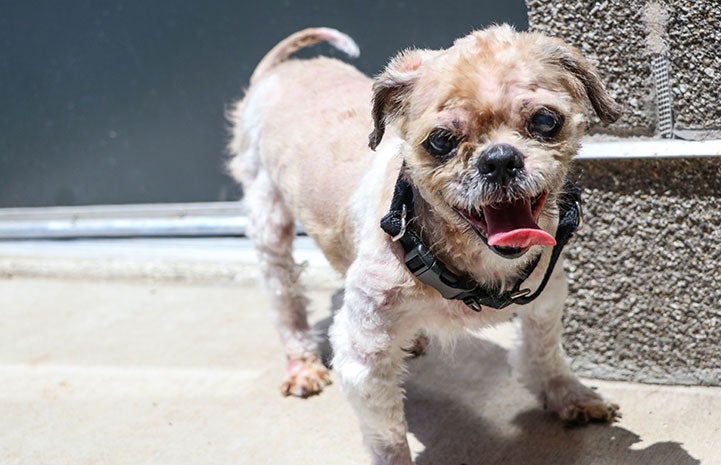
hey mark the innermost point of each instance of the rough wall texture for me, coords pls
(613, 34)
(645, 271)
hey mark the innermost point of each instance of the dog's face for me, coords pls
(490, 126)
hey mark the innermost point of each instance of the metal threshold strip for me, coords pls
(228, 218)
(104, 221)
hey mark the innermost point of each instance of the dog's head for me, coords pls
(489, 128)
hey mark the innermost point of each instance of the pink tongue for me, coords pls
(512, 225)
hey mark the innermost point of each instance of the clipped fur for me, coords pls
(299, 147)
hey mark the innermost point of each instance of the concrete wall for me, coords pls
(645, 269)
(614, 34)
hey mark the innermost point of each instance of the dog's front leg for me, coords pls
(367, 337)
(542, 362)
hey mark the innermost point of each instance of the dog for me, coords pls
(464, 166)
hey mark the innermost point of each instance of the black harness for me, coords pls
(431, 271)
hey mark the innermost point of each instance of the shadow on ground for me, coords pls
(471, 411)
(466, 408)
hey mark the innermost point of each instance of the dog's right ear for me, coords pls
(391, 88)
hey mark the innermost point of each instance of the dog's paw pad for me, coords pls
(305, 377)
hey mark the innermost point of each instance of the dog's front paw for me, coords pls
(576, 404)
(595, 410)
(305, 376)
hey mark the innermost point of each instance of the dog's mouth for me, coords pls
(510, 228)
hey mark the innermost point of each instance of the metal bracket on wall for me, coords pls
(649, 148)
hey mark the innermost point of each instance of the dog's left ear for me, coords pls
(391, 88)
(571, 60)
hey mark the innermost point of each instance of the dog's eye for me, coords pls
(545, 124)
(441, 143)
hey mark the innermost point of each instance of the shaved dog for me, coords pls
(438, 189)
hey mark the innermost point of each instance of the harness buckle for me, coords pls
(424, 266)
(404, 224)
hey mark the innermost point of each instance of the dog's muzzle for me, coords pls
(508, 224)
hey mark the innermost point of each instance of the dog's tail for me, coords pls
(299, 40)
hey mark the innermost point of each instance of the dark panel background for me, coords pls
(105, 102)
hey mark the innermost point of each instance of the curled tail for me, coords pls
(299, 40)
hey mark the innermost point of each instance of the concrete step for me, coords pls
(218, 259)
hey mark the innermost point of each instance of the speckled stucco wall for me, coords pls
(645, 271)
(612, 33)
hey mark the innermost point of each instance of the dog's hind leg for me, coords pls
(272, 229)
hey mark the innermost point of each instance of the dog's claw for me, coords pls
(419, 346)
(306, 377)
(576, 404)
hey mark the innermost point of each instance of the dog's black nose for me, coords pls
(500, 163)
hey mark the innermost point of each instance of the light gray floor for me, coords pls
(124, 370)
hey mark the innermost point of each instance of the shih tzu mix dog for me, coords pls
(454, 219)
